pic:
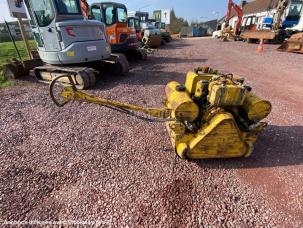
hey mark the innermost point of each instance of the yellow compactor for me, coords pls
(212, 115)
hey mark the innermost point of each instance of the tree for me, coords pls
(176, 23)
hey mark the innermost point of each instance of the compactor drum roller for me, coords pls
(212, 115)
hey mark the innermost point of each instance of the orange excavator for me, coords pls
(121, 37)
(228, 31)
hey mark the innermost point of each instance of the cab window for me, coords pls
(96, 13)
(110, 15)
(43, 12)
(67, 7)
(131, 23)
(121, 14)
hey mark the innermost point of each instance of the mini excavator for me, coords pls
(212, 115)
(228, 32)
(69, 44)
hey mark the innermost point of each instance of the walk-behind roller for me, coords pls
(212, 115)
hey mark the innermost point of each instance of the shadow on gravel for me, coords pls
(276, 147)
(169, 60)
(140, 78)
(179, 44)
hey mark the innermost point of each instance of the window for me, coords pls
(30, 14)
(248, 22)
(96, 13)
(131, 23)
(68, 7)
(137, 24)
(109, 15)
(244, 21)
(3, 29)
(295, 9)
(121, 14)
(43, 12)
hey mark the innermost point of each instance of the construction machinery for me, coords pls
(293, 44)
(134, 22)
(278, 29)
(68, 44)
(228, 32)
(211, 115)
(151, 36)
(122, 38)
(165, 34)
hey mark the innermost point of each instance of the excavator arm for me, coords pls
(239, 11)
(85, 9)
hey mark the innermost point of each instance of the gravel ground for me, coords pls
(87, 163)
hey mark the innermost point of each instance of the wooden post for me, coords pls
(24, 37)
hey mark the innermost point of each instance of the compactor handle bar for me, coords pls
(70, 93)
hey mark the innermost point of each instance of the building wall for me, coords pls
(210, 26)
(15, 30)
(259, 17)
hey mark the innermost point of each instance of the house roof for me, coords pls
(257, 6)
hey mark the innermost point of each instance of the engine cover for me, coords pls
(217, 116)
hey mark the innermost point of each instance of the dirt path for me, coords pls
(87, 163)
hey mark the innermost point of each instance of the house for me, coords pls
(15, 30)
(254, 12)
(260, 14)
(209, 26)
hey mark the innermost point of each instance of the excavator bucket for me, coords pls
(293, 44)
(153, 41)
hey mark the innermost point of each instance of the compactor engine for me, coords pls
(217, 116)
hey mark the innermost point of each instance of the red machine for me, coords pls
(239, 11)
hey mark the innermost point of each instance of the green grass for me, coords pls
(8, 52)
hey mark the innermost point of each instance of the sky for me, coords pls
(191, 10)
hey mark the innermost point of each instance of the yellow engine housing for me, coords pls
(218, 135)
(219, 138)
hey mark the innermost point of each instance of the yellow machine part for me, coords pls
(182, 106)
(192, 79)
(255, 108)
(199, 128)
(226, 94)
(219, 138)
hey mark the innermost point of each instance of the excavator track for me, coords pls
(83, 77)
(142, 53)
(117, 64)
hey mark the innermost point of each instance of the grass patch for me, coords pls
(8, 52)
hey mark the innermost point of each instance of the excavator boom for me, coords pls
(239, 11)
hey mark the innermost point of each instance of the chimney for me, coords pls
(243, 3)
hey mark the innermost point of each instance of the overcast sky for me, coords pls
(201, 10)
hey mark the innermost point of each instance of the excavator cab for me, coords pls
(121, 37)
(134, 22)
(62, 34)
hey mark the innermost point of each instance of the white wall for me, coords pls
(233, 22)
(260, 16)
